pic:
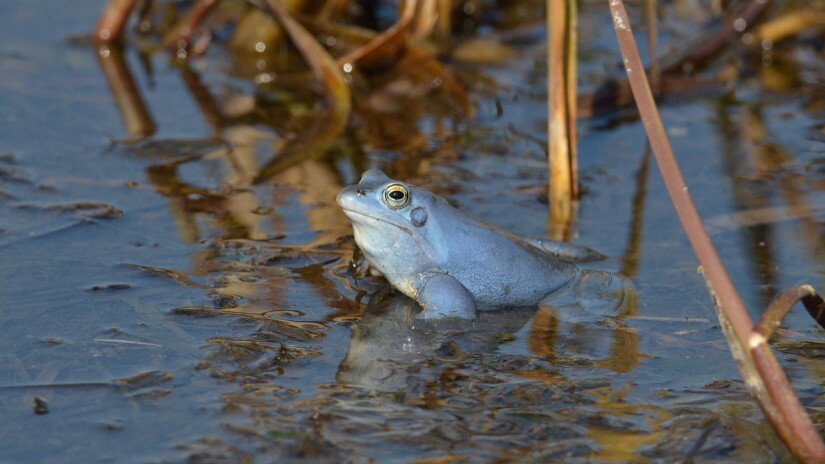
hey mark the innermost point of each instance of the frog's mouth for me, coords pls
(360, 215)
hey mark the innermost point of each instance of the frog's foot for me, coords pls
(565, 251)
(605, 293)
(593, 294)
(359, 267)
(442, 296)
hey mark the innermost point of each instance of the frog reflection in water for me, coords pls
(454, 265)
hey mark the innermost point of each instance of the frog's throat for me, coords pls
(398, 226)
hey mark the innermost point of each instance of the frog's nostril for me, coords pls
(360, 192)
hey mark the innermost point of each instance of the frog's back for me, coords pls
(499, 268)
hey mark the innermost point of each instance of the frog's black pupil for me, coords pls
(397, 195)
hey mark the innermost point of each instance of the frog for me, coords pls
(455, 265)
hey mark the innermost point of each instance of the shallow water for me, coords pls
(161, 306)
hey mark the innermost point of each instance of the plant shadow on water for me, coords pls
(161, 301)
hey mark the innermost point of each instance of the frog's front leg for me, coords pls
(443, 296)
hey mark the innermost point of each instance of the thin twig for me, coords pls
(57, 385)
(695, 320)
(115, 341)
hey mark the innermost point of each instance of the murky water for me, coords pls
(159, 304)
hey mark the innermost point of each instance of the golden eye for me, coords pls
(396, 196)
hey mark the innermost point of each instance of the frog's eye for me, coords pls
(396, 196)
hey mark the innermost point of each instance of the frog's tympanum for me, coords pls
(455, 265)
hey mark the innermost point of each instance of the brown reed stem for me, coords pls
(561, 120)
(655, 70)
(181, 34)
(110, 26)
(136, 118)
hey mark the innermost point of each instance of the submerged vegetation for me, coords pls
(242, 310)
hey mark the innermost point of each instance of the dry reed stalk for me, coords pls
(317, 138)
(675, 66)
(425, 19)
(325, 69)
(790, 24)
(779, 307)
(744, 14)
(136, 118)
(445, 18)
(386, 45)
(759, 368)
(655, 70)
(630, 258)
(179, 37)
(206, 103)
(571, 76)
(331, 8)
(110, 26)
(561, 120)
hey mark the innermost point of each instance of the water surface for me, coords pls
(160, 305)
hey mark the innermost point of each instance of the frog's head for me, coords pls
(389, 218)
